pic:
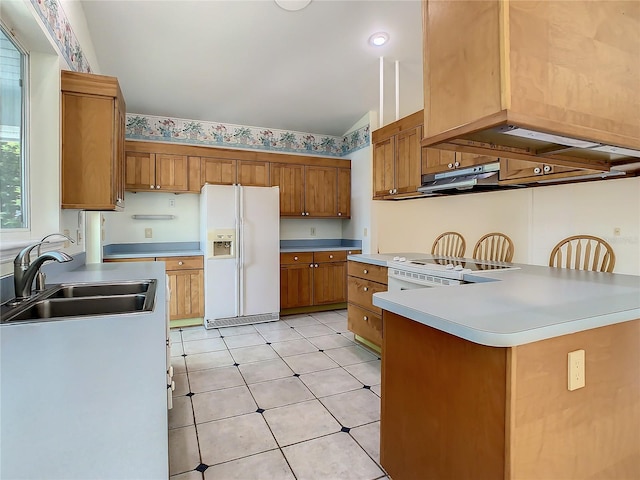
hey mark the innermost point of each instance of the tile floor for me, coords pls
(294, 399)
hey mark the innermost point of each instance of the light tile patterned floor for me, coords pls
(294, 399)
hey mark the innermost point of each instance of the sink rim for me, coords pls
(9, 313)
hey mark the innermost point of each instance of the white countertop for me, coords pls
(316, 249)
(381, 259)
(522, 306)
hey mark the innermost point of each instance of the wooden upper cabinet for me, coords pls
(290, 179)
(565, 68)
(522, 171)
(344, 192)
(321, 191)
(383, 167)
(397, 157)
(408, 161)
(156, 172)
(253, 174)
(217, 171)
(171, 173)
(93, 125)
(140, 171)
(437, 161)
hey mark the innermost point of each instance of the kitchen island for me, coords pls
(86, 397)
(475, 378)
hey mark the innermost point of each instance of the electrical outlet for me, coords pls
(365, 231)
(312, 232)
(172, 203)
(148, 233)
(79, 237)
(67, 243)
(616, 232)
(575, 369)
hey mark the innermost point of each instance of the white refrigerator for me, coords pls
(240, 237)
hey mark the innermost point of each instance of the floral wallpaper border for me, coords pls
(195, 132)
(56, 21)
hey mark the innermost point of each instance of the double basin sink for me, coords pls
(83, 299)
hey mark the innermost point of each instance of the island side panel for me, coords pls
(592, 432)
(443, 404)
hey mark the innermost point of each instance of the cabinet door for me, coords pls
(171, 173)
(408, 166)
(217, 171)
(186, 300)
(321, 191)
(87, 152)
(140, 171)
(525, 172)
(253, 174)
(344, 192)
(471, 159)
(290, 179)
(330, 283)
(436, 160)
(295, 286)
(383, 168)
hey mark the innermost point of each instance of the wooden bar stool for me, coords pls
(449, 244)
(583, 252)
(494, 246)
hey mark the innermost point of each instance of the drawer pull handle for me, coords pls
(366, 319)
(330, 256)
(316, 265)
(311, 266)
(295, 258)
(152, 187)
(180, 263)
(157, 187)
(365, 271)
(366, 289)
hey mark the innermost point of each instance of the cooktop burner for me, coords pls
(474, 265)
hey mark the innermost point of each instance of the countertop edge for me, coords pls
(493, 339)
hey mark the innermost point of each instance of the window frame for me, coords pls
(24, 133)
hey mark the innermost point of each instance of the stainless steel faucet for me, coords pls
(40, 277)
(24, 271)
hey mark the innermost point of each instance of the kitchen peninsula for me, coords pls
(475, 378)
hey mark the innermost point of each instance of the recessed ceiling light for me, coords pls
(292, 5)
(379, 39)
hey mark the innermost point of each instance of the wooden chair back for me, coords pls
(583, 252)
(449, 244)
(494, 246)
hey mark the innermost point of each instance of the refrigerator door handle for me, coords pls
(241, 254)
(239, 241)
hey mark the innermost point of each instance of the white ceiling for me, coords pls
(253, 63)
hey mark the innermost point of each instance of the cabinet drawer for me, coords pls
(367, 271)
(182, 263)
(353, 252)
(360, 292)
(330, 256)
(296, 257)
(365, 323)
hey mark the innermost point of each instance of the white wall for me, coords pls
(119, 227)
(300, 229)
(535, 219)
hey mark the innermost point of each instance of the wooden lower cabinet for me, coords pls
(186, 284)
(364, 318)
(454, 409)
(313, 279)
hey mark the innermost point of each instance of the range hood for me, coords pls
(480, 177)
(487, 178)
